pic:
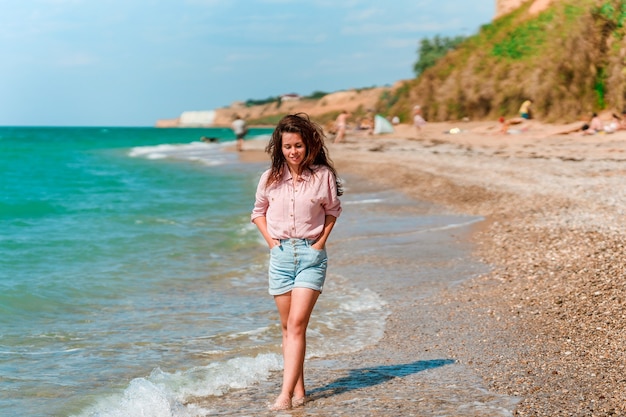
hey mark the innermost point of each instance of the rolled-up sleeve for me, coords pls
(261, 201)
(332, 206)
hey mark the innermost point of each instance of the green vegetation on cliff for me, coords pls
(432, 50)
(568, 59)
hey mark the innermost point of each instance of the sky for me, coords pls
(132, 62)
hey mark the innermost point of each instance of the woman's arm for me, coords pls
(329, 223)
(261, 224)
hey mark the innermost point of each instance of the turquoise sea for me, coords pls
(130, 275)
(132, 282)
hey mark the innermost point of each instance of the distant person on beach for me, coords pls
(418, 119)
(240, 129)
(504, 125)
(524, 110)
(595, 125)
(614, 125)
(341, 124)
(296, 207)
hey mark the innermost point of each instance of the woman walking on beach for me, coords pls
(295, 210)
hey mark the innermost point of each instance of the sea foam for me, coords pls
(164, 394)
(206, 153)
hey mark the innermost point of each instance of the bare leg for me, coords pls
(295, 310)
(283, 302)
(340, 134)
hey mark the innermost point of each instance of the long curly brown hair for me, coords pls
(313, 137)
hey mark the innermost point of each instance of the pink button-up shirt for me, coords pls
(297, 210)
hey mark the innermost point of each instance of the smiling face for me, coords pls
(294, 150)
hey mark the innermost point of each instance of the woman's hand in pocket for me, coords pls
(317, 246)
(274, 243)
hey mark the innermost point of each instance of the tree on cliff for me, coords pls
(431, 51)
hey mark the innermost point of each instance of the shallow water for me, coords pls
(396, 248)
(132, 282)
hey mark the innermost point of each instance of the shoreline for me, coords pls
(547, 323)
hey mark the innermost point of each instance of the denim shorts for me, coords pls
(295, 264)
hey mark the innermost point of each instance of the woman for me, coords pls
(295, 210)
(418, 119)
(341, 124)
(595, 125)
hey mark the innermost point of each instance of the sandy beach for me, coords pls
(545, 326)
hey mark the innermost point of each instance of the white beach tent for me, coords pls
(382, 125)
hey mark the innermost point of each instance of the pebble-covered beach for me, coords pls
(545, 326)
(551, 313)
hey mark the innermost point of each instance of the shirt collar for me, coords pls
(305, 176)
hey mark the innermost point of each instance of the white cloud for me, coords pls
(364, 14)
(210, 3)
(247, 57)
(399, 43)
(77, 60)
(62, 2)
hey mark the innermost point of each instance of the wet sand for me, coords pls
(543, 328)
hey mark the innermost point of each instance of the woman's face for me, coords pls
(294, 150)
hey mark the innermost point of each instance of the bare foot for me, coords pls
(283, 402)
(298, 402)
